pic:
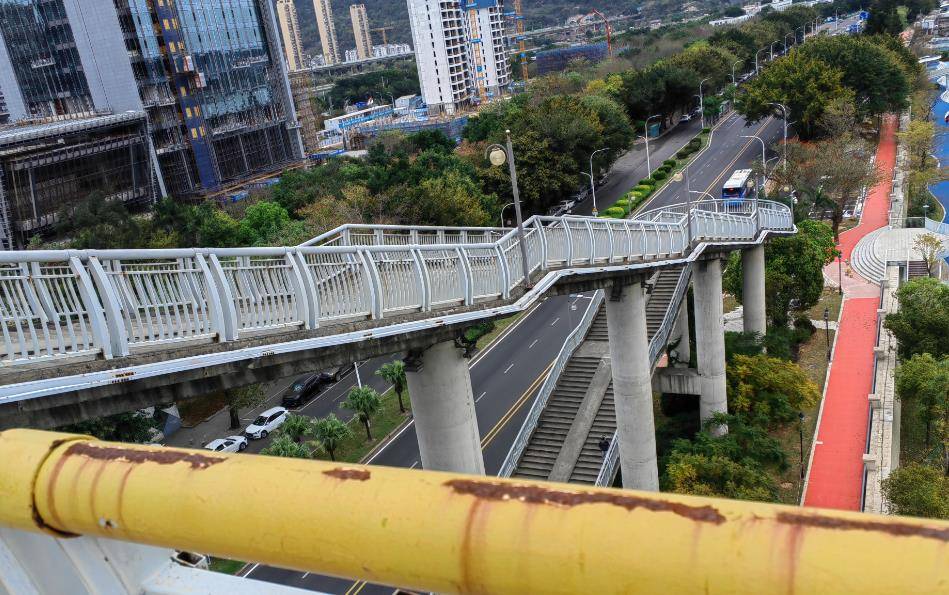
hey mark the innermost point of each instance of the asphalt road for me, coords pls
(504, 378)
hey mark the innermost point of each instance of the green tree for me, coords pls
(884, 18)
(806, 85)
(922, 323)
(284, 446)
(100, 223)
(296, 427)
(244, 397)
(718, 476)
(364, 401)
(329, 432)
(917, 490)
(930, 247)
(793, 270)
(267, 223)
(768, 391)
(743, 442)
(394, 372)
(122, 427)
(923, 382)
(918, 138)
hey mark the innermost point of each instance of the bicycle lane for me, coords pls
(835, 473)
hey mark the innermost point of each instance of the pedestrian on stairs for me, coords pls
(604, 445)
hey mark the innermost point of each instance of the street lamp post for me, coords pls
(803, 29)
(784, 113)
(648, 163)
(771, 48)
(827, 330)
(702, 101)
(593, 180)
(800, 433)
(504, 208)
(764, 162)
(684, 174)
(737, 62)
(756, 59)
(793, 38)
(497, 155)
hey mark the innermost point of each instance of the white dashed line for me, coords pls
(508, 368)
(414, 465)
(480, 396)
(534, 343)
(556, 320)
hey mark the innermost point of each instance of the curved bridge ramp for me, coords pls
(563, 445)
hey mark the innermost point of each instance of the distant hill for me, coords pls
(394, 13)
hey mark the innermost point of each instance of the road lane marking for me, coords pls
(305, 574)
(252, 568)
(556, 320)
(491, 435)
(480, 396)
(508, 368)
(534, 342)
(414, 465)
(504, 334)
(741, 151)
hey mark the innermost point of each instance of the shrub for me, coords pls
(669, 163)
(614, 212)
(682, 154)
(645, 190)
(706, 130)
(660, 175)
(623, 204)
(695, 143)
(647, 182)
(663, 168)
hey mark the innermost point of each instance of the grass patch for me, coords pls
(499, 327)
(829, 299)
(388, 418)
(225, 566)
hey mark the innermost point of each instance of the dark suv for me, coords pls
(303, 390)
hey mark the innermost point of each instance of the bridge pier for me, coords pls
(444, 410)
(632, 387)
(710, 338)
(753, 293)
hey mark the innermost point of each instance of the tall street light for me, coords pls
(784, 113)
(764, 163)
(737, 62)
(592, 179)
(771, 47)
(497, 155)
(793, 39)
(648, 163)
(803, 29)
(678, 177)
(702, 101)
(756, 59)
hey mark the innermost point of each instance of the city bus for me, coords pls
(738, 187)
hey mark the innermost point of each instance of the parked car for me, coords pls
(304, 389)
(266, 422)
(685, 118)
(229, 444)
(343, 371)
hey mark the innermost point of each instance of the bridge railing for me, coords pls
(110, 303)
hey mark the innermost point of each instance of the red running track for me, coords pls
(835, 476)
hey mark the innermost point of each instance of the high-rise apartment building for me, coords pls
(357, 12)
(205, 73)
(459, 51)
(290, 32)
(327, 29)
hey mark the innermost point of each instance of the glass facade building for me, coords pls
(208, 74)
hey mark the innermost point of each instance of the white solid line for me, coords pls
(394, 438)
(305, 574)
(414, 465)
(252, 568)
(507, 332)
(508, 368)
(533, 343)
(481, 395)
(556, 320)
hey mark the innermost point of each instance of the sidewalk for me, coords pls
(835, 474)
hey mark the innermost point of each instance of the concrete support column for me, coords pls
(681, 333)
(632, 388)
(710, 338)
(752, 269)
(444, 410)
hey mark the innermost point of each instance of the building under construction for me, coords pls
(209, 78)
(45, 169)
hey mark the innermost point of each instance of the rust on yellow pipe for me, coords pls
(454, 533)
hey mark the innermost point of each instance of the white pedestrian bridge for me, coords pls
(77, 320)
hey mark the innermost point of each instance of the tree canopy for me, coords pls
(922, 323)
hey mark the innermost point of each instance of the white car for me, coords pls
(266, 422)
(229, 444)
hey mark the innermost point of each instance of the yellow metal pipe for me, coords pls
(455, 533)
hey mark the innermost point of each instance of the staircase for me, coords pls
(573, 402)
(917, 269)
(865, 259)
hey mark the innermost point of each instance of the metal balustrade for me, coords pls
(110, 303)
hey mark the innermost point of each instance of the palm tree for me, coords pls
(394, 372)
(328, 432)
(364, 401)
(284, 446)
(296, 426)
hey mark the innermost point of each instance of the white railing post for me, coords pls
(110, 306)
(94, 308)
(215, 307)
(424, 280)
(466, 276)
(505, 273)
(306, 309)
(375, 283)
(568, 233)
(218, 283)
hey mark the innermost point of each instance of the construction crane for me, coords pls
(609, 31)
(383, 31)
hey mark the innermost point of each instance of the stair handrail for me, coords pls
(656, 345)
(574, 340)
